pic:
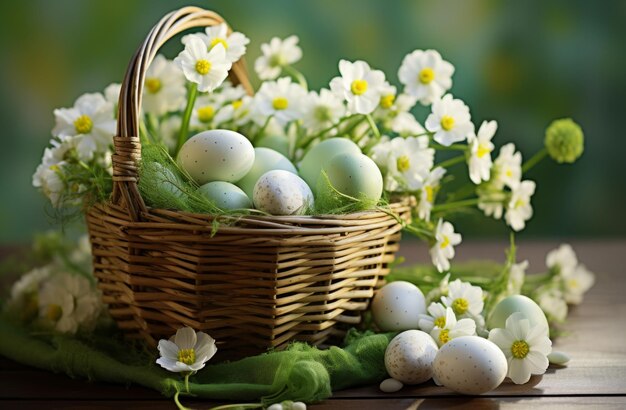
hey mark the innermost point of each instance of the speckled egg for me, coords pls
(225, 195)
(355, 175)
(281, 192)
(319, 155)
(265, 160)
(216, 155)
(517, 303)
(279, 143)
(470, 365)
(397, 306)
(409, 357)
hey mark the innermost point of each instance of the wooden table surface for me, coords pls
(595, 338)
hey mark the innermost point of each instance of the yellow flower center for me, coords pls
(445, 242)
(519, 203)
(277, 60)
(54, 312)
(444, 336)
(83, 124)
(508, 173)
(482, 151)
(54, 167)
(153, 85)
(203, 67)
(440, 321)
(187, 356)
(236, 104)
(358, 87)
(520, 349)
(280, 103)
(572, 283)
(403, 163)
(386, 101)
(447, 122)
(430, 194)
(460, 306)
(218, 40)
(426, 75)
(206, 114)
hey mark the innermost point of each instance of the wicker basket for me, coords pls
(254, 285)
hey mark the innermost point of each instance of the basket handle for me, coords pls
(127, 153)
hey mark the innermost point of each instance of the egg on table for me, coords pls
(281, 192)
(355, 175)
(216, 155)
(265, 160)
(409, 357)
(517, 303)
(397, 306)
(225, 195)
(319, 155)
(470, 365)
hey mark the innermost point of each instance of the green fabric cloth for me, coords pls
(300, 373)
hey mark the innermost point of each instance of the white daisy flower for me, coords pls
(517, 273)
(450, 120)
(207, 68)
(112, 93)
(452, 328)
(405, 124)
(576, 283)
(507, 168)
(491, 199)
(428, 193)
(443, 249)
(237, 111)
(321, 111)
(359, 85)
(436, 317)
(563, 258)
(464, 298)
(425, 75)
(68, 302)
(204, 110)
(229, 93)
(407, 162)
(187, 351)
(526, 347)
(25, 292)
(164, 87)
(552, 302)
(234, 43)
(168, 131)
(519, 209)
(89, 125)
(441, 290)
(481, 146)
(276, 55)
(50, 180)
(281, 99)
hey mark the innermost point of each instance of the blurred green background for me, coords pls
(520, 63)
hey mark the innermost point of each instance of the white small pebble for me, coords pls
(275, 406)
(559, 358)
(298, 405)
(390, 385)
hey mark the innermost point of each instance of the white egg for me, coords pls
(470, 365)
(390, 385)
(517, 303)
(397, 306)
(225, 195)
(319, 155)
(281, 192)
(265, 160)
(216, 155)
(409, 357)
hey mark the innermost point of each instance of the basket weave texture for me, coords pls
(258, 282)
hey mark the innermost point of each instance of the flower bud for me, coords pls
(564, 140)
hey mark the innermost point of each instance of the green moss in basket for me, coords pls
(330, 200)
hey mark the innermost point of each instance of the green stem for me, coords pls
(177, 401)
(452, 161)
(297, 75)
(261, 130)
(373, 126)
(453, 205)
(534, 160)
(306, 141)
(453, 147)
(184, 128)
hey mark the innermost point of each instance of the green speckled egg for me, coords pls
(318, 157)
(355, 175)
(265, 160)
(278, 143)
(516, 303)
(225, 195)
